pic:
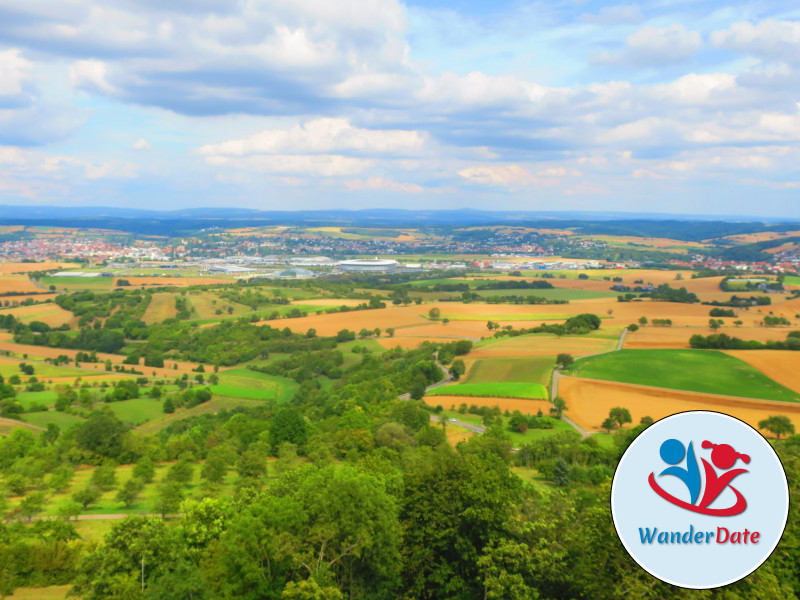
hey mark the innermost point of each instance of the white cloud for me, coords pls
(142, 144)
(615, 15)
(325, 165)
(655, 46)
(90, 75)
(14, 71)
(320, 135)
(778, 40)
(378, 183)
(511, 176)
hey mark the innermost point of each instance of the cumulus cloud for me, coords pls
(14, 71)
(268, 56)
(321, 135)
(616, 15)
(91, 75)
(325, 165)
(379, 183)
(655, 47)
(142, 144)
(769, 39)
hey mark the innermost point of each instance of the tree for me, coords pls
(101, 434)
(215, 468)
(633, 327)
(445, 321)
(457, 369)
(145, 469)
(643, 321)
(620, 415)
(104, 477)
(560, 406)
(608, 424)
(561, 473)
(777, 424)
(311, 333)
(390, 331)
(310, 590)
(418, 385)
(434, 313)
(170, 496)
(69, 509)
(715, 323)
(168, 407)
(86, 496)
(60, 479)
(129, 492)
(564, 360)
(252, 467)
(287, 425)
(32, 505)
(181, 472)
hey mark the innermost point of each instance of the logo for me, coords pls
(699, 499)
(723, 457)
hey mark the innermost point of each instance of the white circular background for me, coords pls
(635, 505)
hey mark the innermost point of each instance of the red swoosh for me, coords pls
(736, 509)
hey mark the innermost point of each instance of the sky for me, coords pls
(668, 106)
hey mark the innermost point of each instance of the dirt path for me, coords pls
(557, 375)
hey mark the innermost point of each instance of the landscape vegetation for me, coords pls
(440, 432)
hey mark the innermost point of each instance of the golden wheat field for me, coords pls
(330, 324)
(781, 365)
(49, 313)
(527, 407)
(589, 400)
(543, 346)
(678, 337)
(162, 306)
(173, 281)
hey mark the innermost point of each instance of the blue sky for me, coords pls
(673, 107)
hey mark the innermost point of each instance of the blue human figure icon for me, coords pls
(672, 453)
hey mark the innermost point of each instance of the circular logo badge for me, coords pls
(699, 499)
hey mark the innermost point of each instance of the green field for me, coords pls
(78, 283)
(42, 369)
(532, 369)
(255, 385)
(707, 371)
(211, 407)
(137, 410)
(791, 280)
(551, 294)
(534, 391)
(28, 398)
(41, 419)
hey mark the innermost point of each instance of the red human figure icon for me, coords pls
(724, 457)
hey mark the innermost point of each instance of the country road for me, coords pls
(557, 375)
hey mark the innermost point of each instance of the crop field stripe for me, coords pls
(705, 371)
(534, 391)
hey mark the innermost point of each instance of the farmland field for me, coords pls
(79, 283)
(557, 293)
(162, 306)
(41, 419)
(137, 410)
(526, 406)
(535, 391)
(706, 371)
(49, 313)
(529, 370)
(589, 401)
